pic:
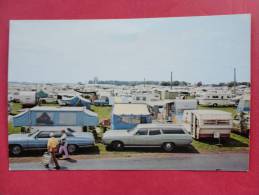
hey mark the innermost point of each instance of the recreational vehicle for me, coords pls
(216, 99)
(208, 123)
(27, 98)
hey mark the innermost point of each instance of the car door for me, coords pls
(177, 136)
(155, 137)
(41, 139)
(139, 138)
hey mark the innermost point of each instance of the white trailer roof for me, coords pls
(52, 108)
(130, 109)
(212, 114)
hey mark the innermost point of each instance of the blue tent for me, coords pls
(56, 116)
(77, 101)
(127, 116)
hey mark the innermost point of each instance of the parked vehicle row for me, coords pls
(143, 135)
(148, 135)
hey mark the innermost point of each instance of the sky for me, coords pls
(201, 48)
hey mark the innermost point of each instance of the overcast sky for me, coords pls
(194, 48)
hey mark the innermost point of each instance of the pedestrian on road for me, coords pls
(52, 149)
(63, 144)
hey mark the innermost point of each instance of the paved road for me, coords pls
(222, 161)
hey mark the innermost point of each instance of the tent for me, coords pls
(56, 116)
(127, 116)
(76, 101)
(41, 94)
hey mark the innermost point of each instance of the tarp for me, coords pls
(77, 101)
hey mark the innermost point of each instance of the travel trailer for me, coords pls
(208, 123)
(27, 98)
(216, 99)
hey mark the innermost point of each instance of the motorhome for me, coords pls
(216, 99)
(208, 123)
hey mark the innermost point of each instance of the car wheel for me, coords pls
(168, 147)
(117, 145)
(16, 150)
(71, 148)
(215, 105)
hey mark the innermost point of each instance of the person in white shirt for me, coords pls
(63, 144)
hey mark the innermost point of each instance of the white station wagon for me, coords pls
(166, 136)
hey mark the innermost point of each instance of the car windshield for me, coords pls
(33, 132)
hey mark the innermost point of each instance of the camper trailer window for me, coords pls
(44, 118)
(215, 96)
(223, 122)
(210, 122)
(127, 119)
(154, 132)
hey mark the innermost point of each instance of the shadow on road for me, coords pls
(37, 153)
(187, 149)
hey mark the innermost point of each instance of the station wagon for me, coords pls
(166, 136)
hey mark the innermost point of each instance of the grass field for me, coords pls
(15, 108)
(12, 129)
(104, 112)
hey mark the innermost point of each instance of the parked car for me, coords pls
(48, 100)
(166, 136)
(38, 140)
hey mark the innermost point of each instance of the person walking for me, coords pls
(52, 148)
(63, 144)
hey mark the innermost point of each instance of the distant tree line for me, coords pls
(174, 83)
(223, 84)
(165, 83)
(130, 83)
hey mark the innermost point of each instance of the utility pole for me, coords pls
(235, 81)
(171, 83)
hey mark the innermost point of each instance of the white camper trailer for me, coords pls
(208, 123)
(27, 98)
(216, 99)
